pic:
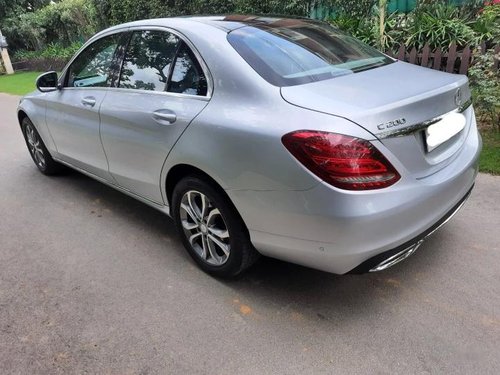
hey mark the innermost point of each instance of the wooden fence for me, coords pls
(40, 64)
(451, 60)
(323, 9)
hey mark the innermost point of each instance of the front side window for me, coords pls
(92, 67)
(293, 52)
(187, 75)
(148, 60)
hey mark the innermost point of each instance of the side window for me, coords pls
(187, 76)
(91, 68)
(148, 59)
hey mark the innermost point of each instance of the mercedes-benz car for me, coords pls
(265, 136)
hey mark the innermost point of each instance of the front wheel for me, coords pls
(39, 153)
(211, 229)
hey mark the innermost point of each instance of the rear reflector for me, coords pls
(340, 160)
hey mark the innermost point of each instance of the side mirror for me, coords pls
(47, 82)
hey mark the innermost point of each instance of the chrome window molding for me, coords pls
(164, 93)
(82, 48)
(422, 125)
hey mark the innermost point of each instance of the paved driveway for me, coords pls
(92, 281)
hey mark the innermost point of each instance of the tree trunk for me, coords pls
(382, 13)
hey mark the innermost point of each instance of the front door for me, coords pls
(161, 89)
(73, 112)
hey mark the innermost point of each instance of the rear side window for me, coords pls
(148, 60)
(92, 67)
(302, 51)
(187, 75)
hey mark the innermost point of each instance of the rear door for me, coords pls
(162, 87)
(73, 112)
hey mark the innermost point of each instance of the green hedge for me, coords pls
(64, 23)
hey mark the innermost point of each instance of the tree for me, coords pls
(15, 7)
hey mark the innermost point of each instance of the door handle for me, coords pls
(164, 115)
(88, 101)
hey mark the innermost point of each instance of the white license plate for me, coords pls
(438, 133)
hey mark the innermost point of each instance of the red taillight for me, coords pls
(342, 161)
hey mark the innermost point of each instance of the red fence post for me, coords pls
(425, 56)
(401, 52)
(438, 54)
(464, 64)
(452, 56)
(497, 53)
(413, 56)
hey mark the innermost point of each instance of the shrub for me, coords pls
(367, 29)
(433, 22)
(117, 11)
(485, 86)
(356, 9)
(52, 51)
(487, 24)
(64, 22)
(439, 25)
(53, 57)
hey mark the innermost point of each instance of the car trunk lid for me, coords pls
(396, 103)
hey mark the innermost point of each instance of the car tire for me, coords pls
(211, 229)
(39, 153)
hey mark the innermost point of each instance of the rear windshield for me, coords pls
(302, 51)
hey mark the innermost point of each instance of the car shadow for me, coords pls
(276, 282)
(143, 216)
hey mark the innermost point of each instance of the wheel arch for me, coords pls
(179, 171)
(21, 115)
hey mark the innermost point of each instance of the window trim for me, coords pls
(196, 53)
(124, 54)
(123, 44)
(63, 80)
(174, 63)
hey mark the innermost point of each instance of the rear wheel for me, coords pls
(39, 153)
(211, 229)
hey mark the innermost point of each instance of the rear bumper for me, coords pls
(392, 257)
(338, 231)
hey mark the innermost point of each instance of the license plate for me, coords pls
(449, 126)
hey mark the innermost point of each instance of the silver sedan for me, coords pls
(273, 136)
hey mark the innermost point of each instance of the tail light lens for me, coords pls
(342, 161)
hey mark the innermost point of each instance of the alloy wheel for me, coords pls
(205, 228)
(35, 146)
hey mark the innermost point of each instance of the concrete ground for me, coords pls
(94, 282)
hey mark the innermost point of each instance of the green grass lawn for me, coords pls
(24, 82)
(18, 83)
(490, 157)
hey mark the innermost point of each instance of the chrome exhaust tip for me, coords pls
(396, 258)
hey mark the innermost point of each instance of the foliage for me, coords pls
(367, 29)
(63, 22)
(118, 11)
(487, 24)
(433, 22)
(485, 86)
(354, 8)
(12, 7)
(290, 7)
(53, 50)
(439, 24)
